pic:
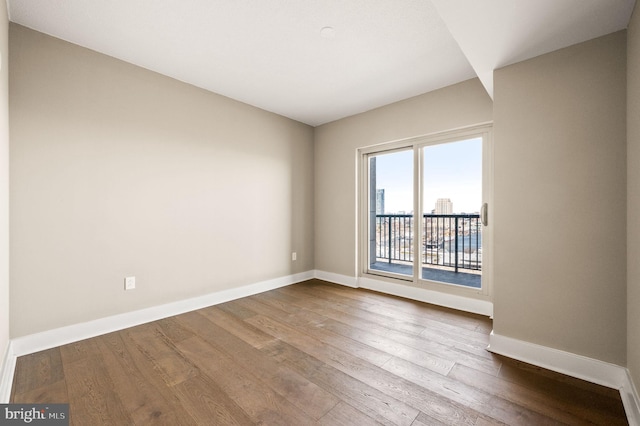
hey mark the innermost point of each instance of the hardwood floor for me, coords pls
(311, 353)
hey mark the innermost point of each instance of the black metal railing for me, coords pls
(449, 241)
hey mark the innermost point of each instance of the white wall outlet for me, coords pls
(294, 256)
(129, 283)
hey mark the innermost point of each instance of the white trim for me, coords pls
(447, 300)
(336, 278)
(73, 333)
(445, 135)
(581, 367)
(630, 400)
(6, 374)
(578, 366)
(484, 131)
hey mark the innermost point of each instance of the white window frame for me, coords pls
(483, 131)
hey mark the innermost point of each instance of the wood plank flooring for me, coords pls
(311, 353)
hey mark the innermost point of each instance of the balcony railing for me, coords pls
(449, 241)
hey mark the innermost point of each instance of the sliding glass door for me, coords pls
(425, 210)
(390, 207)
(451, 203)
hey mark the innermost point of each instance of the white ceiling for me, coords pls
(270, 54)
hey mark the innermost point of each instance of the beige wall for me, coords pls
(336, 144)
(4, 180)
(118, 171)
(633, 197)
(560, 190)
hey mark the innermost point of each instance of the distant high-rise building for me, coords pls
(444, 206)
(380, 201)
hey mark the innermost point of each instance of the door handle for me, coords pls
(484, 214)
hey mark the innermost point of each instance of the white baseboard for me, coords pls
(460, 303)
(581, 367)
(630, 400)
(589, 369)
(7, 369)
(73, 333)
(447, 300)
(336, 278)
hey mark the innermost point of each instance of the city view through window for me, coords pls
(451, 240)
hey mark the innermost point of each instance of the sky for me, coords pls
(451, 170)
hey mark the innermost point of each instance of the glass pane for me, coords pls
(452, 197)
(391, 226)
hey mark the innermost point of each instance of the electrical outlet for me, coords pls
(294, 256)
(129, 283)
